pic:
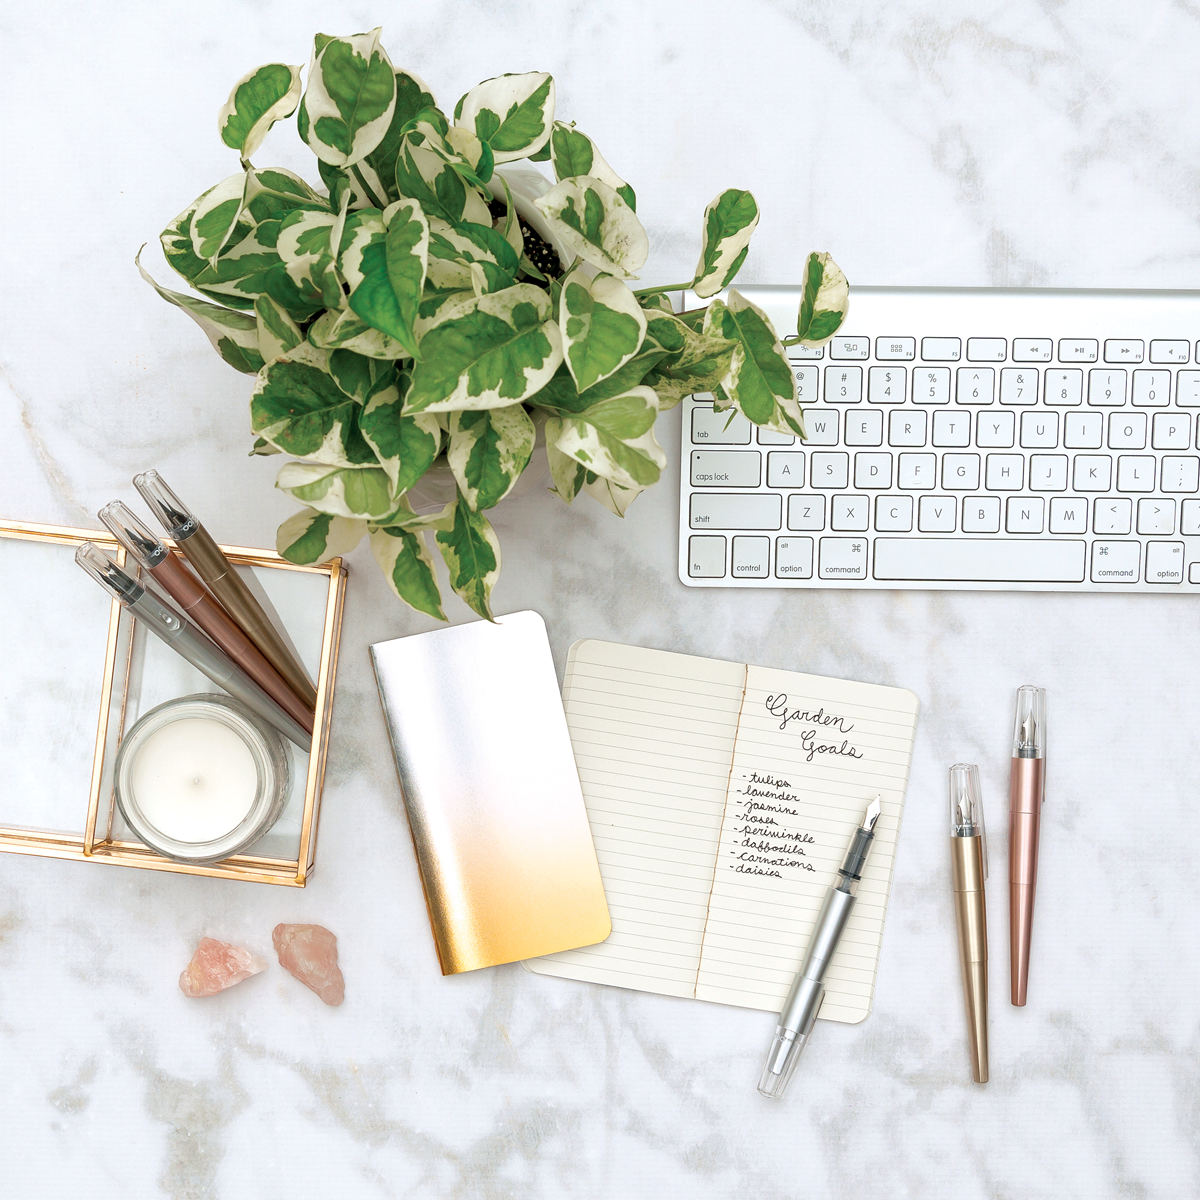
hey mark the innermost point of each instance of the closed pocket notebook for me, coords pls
(722, 798)
(491, 791)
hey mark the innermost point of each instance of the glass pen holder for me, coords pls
(81, 672)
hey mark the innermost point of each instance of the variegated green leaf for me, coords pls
(177, 247)
(614, 438)
(473, 159)
(215, 216)
(350, 98)
(277, 332)
(456, 250)
(488, 451)
(561, 395)
(472, 554)
(259, 99)
(264, 448)
(360, 376)
(697, 361)
(297, 406)
(311, 537)
(234, 335)
(272, 193)
(511, 113)
(360, 492)
(614, 497)
(592, 221)
(240, 275)
(426, 173)
(729, 222)
(489, 352)
(567, 475)
(602, 326)
(405, 445)
(346, 330)
(306, 249)
(510, 230)
(825, 302)
(574, 153)
(407, 565)
(412, 98)
(759, 381)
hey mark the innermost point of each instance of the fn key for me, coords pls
(706, 557)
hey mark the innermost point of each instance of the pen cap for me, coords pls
(1029, 728)
(132, 534)
(165, 505)
(106, 573)
(966, 801)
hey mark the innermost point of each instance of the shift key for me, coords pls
(713, 510)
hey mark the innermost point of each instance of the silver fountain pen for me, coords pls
(804, 1000)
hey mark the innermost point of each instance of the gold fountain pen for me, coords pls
(968, 852)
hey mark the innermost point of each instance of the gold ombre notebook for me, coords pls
(491, 791)
(722, 798)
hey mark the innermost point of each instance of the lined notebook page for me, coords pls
(811, 754)
(653, 736)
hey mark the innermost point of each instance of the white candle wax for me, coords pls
(194, 779)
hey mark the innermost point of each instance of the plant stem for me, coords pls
(666, 287)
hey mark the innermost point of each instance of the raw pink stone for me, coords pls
(310, 953)
(216, 966)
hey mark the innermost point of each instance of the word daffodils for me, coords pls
(437, 306)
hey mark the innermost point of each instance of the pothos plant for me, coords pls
(432, 305)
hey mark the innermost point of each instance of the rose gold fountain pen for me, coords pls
(1027, 785)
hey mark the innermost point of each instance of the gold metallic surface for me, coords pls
(970, 911)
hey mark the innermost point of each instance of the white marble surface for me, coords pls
(921, 142)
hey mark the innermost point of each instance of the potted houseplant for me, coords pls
(440, 305)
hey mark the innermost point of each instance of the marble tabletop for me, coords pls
(922, 143)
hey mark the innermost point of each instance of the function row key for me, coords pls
(1163, 351)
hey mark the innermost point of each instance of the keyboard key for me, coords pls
(917, 470)
(1168, 352)
(931, 385)
(821, 425)
(1135, 473)
(1116, 562)
(941, 349)
(894, 514)
(1117, 350)
(1047, 472)
(750, 511)
(1172, 431)
(987, 349)
(976, 385)
(864, 428)
(830, 469)
(1189, 517)
(1194, 572)
(1018, 385)
(806, 385)
(768, 437)
(849, 348)
(872, 470)
(850, 514)
(981, 514)
(951, 427)
(1127, 431)
(1064, 388)
(960, 472)
(1068, 514)
(1093, 473)
(716, 428)
(1032, 349)
(1025, 514)
(1112, 516)
(793, 557)
(886, 385)
(785, 468)
(1151, 389)
(1106, 389)
(1083, 431)
(726, 468)
(806, 512)
(706, 557)
(803, 352)
(1078, 350)
(1005, 472)
(1187, 389)
(1164, 562)
(843, 558)
(843, 385)
(937, 514)
(1156, 516)
(979, 560)
(995, 430)
(751, 557)
(1039, 430)
(899, 349)
(906, 427)
(1178, 473)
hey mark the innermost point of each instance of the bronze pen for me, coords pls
(1026, 793)
(968, 853)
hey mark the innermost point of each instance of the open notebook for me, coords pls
(722, 798)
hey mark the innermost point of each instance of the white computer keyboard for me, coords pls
(998, 439)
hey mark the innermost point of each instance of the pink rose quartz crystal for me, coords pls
(216, 966)
(310, 953)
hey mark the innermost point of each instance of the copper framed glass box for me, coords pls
(78, 671)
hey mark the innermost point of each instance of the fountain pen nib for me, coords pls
(871, 815)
